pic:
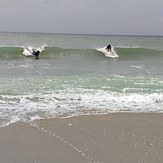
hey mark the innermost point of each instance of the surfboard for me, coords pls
(28, 52)
(110, 54)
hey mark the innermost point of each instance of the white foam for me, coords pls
(67, 103)
(128, 47)
(29, 50)
(135, 66)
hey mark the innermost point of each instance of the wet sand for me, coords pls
(112, 138)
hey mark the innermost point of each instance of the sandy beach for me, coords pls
(112, 138)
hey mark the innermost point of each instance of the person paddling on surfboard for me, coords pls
(108, 48)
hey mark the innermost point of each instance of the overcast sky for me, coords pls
(125, 17)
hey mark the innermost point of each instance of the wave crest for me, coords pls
(46, 51)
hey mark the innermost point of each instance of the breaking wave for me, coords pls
(49, 52)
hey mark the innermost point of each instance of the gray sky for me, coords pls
(131, 17)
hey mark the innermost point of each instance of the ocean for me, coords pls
(72, 78)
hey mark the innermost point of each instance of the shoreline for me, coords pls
(109, 138)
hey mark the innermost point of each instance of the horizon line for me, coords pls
(95, 34)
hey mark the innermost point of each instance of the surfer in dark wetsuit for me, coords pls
(108, 48)
(36, 54)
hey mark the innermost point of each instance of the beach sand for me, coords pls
(112, 138)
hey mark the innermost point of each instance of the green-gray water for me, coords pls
(73, 78)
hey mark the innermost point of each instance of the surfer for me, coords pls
(108, 48)
(36, 54)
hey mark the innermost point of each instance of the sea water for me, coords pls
(72, 78)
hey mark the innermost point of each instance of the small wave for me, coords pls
(25, 66)
(128, 47)
(49, 52)
(134, 66)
